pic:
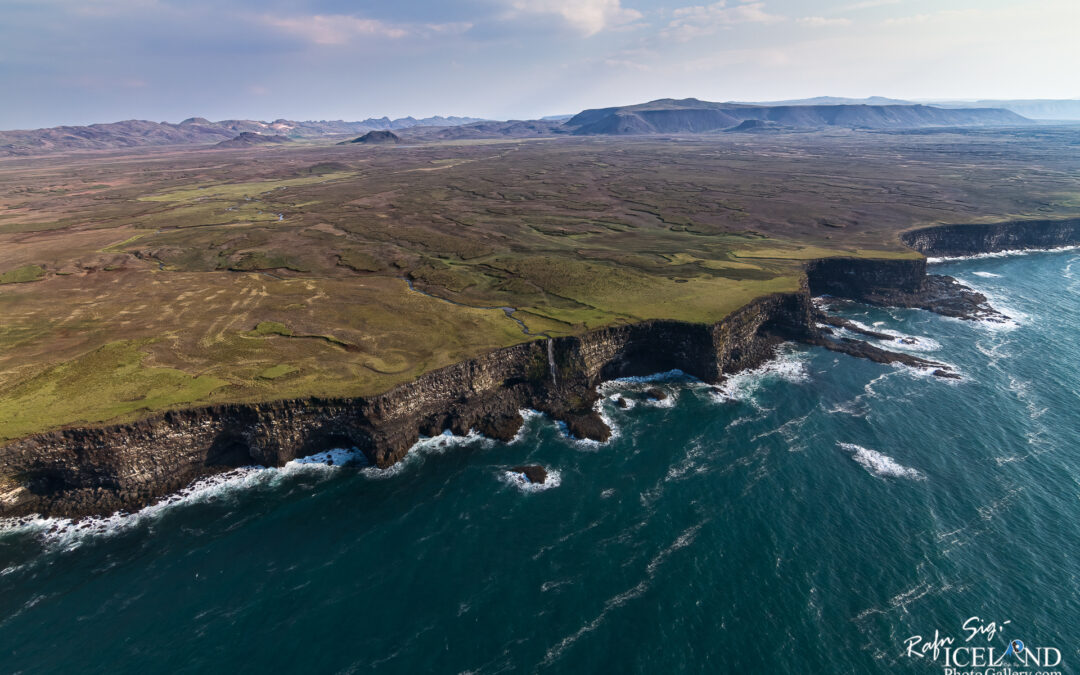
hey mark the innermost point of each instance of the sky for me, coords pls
(86, 61)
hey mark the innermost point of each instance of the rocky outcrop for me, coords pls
(897, 283)
(862, 279)
(961, 240)
(79, 472)
(534, 473)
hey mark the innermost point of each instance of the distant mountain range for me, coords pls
(663, 116)
(193, 131)
(1035, 109)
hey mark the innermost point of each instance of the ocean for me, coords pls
(811, 516)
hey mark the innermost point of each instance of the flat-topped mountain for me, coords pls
(693, 116)
(250, 139)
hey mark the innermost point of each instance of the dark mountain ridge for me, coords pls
(192, 131)
(249, 139)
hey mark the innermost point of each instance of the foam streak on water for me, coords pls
(879, 463)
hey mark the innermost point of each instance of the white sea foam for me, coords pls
(69, 534)
(925, 372)
(987, 275)
(521, 482)
(879, 463)
(613, 389)
(902, 341)
(1014, 318)
(1001, 254)
(427, 445)
(788, 365)
(527, 415)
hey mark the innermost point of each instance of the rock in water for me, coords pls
(621, 402)
(656, 394)
(534, 473)
(588, 426)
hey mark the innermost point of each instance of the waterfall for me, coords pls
(551, 361)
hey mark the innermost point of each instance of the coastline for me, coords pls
(93, 471)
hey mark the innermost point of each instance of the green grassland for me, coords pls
(192, 277)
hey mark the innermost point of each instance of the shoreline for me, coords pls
(96, 471)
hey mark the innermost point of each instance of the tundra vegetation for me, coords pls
(141, 280)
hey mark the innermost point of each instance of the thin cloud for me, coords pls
(868, 4)
(334, 29)
(701, 20)
(588, 17)
(821, 22)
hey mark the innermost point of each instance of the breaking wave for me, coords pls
(69, 533)
(788, 365)
(1000, 254)
(879, 463)
(519, 481)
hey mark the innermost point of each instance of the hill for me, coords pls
(757, 126)
(250, 139)
(694, 116)
(508, 129)
(378, 138)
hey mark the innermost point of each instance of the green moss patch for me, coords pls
(22, 274)
(274, 372)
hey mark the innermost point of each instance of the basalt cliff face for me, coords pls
(960, 240)
(78, 472)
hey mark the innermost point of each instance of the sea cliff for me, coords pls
(76, 472)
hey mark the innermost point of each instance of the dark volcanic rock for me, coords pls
(502, 427)
(587, 426)
(534, 473)
(865, 350)
(656, 394)
(946, 374)
(622, 402)
(839, 322)
(378, 138)
(897, 283)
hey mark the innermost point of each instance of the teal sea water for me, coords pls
(809, 518)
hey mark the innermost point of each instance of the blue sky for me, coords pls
(83, 61)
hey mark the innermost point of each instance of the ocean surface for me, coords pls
(807, 517)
